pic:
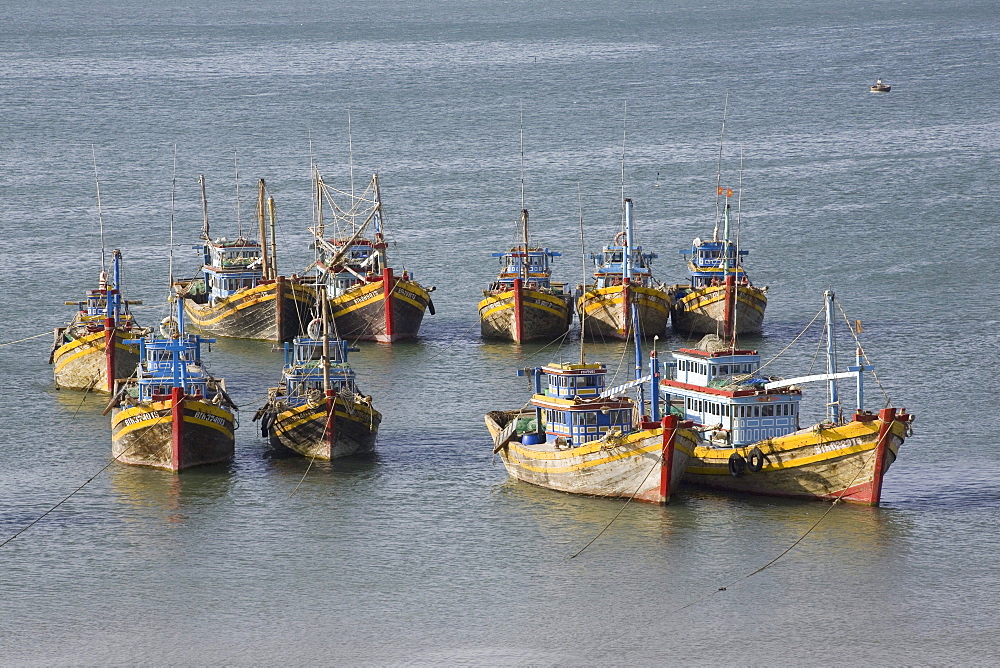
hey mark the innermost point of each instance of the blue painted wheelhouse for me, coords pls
(106, 303)
(302, 376)
(173, 359)
(533, 267)
(612, 264)
(711, 261)
(229, 266)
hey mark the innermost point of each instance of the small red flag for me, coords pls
(720, 190)
(729, 192)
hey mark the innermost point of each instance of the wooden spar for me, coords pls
(274, 242)
(669, 423)
(177, 418)
(204, 209)
(265, 262)
(330, 430)
(887, 416)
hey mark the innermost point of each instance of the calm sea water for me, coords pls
(427, 554)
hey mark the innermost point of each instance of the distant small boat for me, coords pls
(623, 278)
(83, 356)
(318, 411)
(239, 293)
(172, 414)
(523, 304)
(880, 87)
(751, 439)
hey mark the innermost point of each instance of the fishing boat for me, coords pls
(318, 411)
(239, 293)
(586, 438)
(750, 436)
(623, 279)
(367, 300)
(523, 304)
(98, 344)
(720, 299)
(172, 414)
(880, 87)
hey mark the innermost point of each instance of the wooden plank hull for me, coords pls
(82, 364)
(143, 435)
(605, 315)
(832, 463)
(627, 467)
(361, 312)
(257, 313)
(543, 316)
(303, 430)
(702, 311)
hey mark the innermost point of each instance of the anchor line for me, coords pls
(85, 483)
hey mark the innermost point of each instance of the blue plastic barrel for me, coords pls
(532, 439)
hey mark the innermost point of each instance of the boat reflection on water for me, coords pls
(172, 498)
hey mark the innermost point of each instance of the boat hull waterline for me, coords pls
(630, 466)
(369, 312)
(606, 314)
(542, 316)
(825, 462)
(303, 429)
(702, 311)
(273, 311)
(154, 434)
(82, 364)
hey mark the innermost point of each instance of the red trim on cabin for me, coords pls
(597, 405)
(721, 353)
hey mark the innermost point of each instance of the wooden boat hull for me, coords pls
(605, 312)
(841, 462)
(628, 467)
(152, 434)
(275, 311)
(302, 429)
(82, 363)
(702, 311)
(371, 312)
(528, 316)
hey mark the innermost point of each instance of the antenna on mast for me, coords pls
(100, 213)
(718, 173)
(624, 128)
(520, 119)
(239, 221)
(170, 256)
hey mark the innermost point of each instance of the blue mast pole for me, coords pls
(634, 308)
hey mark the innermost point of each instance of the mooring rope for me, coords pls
(28, 338)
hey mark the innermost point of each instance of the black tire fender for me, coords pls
(737, 465)
(755, 460)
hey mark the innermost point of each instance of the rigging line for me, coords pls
(819, 346)
(799, 336)
(864, 354)
(100, 214)
(86, 392)
(87, 482)
(658, 462)
(808, 531)
(558, 340)
(27, 338)
(718, 174)
(303, 478)
(239, 219)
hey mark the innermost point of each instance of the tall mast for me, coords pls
(718, 173)
(833, 408)
(583, 265)
(265, 263)
(524, 210)
(325, 362)
(634, 307)
(204, 210)
(100, 213)
(377, 222)
(624, 127)
(274, 243)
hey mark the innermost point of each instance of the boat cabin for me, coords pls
(609, 266)
(230, 266)
(535, 276)
(723, 392)
(166, 363)
(706, 259)
(303, 373)
(360, 263)
(568, 403)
